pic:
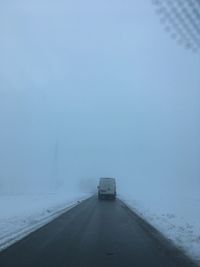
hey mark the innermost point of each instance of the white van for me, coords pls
(107, 188)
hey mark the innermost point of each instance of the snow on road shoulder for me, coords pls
(23, 214)
(178, 220)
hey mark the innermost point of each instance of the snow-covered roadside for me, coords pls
(178, 220)
(22, 214)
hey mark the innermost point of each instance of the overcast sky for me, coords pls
(95, 88)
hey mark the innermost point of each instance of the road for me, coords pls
(94, 234)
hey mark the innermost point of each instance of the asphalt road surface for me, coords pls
(94, 234)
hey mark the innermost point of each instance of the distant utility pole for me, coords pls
(56, 175)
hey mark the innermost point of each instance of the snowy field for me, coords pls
(23, 214)
(177, 217)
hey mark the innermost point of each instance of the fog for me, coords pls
(95, 88)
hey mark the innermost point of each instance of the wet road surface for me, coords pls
(94, 234)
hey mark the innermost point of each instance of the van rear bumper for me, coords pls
(106, 196)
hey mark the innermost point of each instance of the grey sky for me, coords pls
(95, 88)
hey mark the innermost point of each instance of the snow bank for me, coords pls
(176, 216)
(23, 214)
